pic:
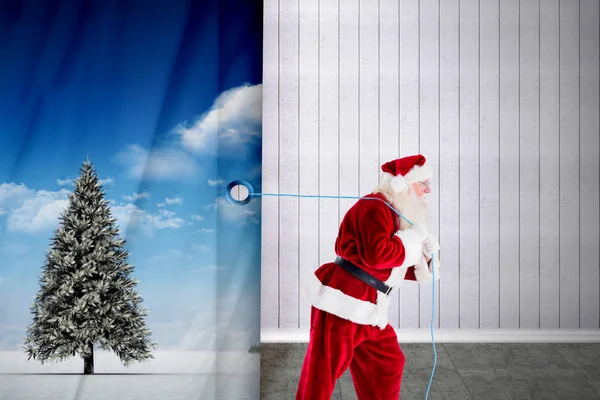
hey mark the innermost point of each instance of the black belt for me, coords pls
(363, 276)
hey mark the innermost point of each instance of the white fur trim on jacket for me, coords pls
(336, 302)
(396, 278)
(413, 246)
(363, 312)
(422, 270)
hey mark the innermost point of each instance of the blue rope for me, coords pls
(401, 216)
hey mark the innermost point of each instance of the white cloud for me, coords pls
(175, 200)
(217, 182)
(64, 182)
(206, 230)
(70, 181)
(196, 217)
(137, 196)
(13, 195)
(38, 213)
(3, 211)
(167, 213)
(35, 212)
(107, 181)
(234, 212)
(160, 204)
(235, 117)
(166, 163)
(130, 216)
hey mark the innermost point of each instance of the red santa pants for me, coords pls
(374, 356)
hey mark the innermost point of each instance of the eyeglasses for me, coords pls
(424, 184)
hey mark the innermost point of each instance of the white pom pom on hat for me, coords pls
(398, 183)
(406, 171)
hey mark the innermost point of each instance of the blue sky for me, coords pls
(165, 99)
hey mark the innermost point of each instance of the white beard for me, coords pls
(413, 209)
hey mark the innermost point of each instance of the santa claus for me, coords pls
(377, 250)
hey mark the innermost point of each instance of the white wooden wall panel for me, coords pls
(329, 167)
(349, 103)
(569, 131)
(489, 165)
(388, 101)
(503, 99)
(529, 165)
(409, 126)
(549, 250)
(308, 56)
(270, 300)
(289, 82)
(469, 163)
(589, 309)
(509, 165)
(449, 173)
(429, 130)
(368, 96)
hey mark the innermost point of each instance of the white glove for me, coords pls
(421, 231)
(430, 245)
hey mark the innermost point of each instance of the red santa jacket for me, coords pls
(370, 238)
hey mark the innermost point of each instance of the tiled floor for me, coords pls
(463, 372)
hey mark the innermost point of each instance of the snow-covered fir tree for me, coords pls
(87, 295)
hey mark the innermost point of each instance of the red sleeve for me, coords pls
(379, 246)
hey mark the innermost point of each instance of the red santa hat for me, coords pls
(405, 171)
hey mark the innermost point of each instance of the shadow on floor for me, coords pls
(463, 372)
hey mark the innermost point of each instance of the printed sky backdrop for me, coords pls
(165, 100)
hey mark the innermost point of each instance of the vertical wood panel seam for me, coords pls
(559, 164)
(419, 76)
(519, 179)
(479, 160)
(539, 164)
(399, 129)
(579, 150)
(339, 120)
(419, 124)
(379, 89)
(378, 86)
(499, 162)
(358, 98)
(278, 162)
(438, 162)
(458, 137)
(299, 161)
(319, 130)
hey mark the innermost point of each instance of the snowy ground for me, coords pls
(170, 376)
